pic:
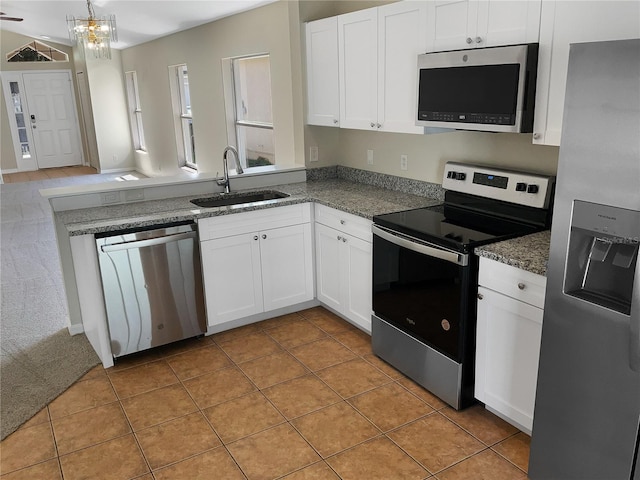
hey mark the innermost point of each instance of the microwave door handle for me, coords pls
(634, 321)
(451, 257)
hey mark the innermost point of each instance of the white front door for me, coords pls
(53, 119)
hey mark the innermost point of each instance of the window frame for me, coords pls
(237, 138)
(183, 118)
(135, 111)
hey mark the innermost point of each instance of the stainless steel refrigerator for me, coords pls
(587, 411)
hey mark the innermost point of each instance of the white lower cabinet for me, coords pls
(508, 337)
(343, 264)
(252, 271)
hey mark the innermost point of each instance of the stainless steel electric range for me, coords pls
(425, 275)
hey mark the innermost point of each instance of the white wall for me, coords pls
(110, 117)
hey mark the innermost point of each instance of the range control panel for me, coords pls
(531, 189)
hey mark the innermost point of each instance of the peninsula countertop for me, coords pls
(530, 253)
(352, 197)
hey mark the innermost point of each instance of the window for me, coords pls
(37, 52)
(183, 119)
(253, 118)
(135, 112)
(23, 130)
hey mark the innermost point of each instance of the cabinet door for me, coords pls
(328, 247)
(287, 266)
(507, 353)
(452, 24)
(358, 283)
(402, 36)
(323, 96)
(232, 279)
(563, 23)
(507, 22)
(357, 45)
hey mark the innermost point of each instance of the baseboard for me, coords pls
(75, 329)
(240, 322)
(118, 170)
(6, 171)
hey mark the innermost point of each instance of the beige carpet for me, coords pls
(39, 359)
(33, 377)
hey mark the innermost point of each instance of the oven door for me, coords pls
(422, 289)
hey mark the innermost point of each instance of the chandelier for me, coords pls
(93, 33)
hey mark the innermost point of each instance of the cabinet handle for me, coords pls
(264, 235)
(521, 286)
(339, 238)
(344, 239)
(379, 125)
(480, 296)
(342, 222)
(373, 125)
(255, 237)
(335, 121)
(478, 39)
(469, 40)
(536, 136)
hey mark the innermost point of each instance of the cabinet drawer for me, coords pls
(344, 222)
(246, 222)
(513, 282)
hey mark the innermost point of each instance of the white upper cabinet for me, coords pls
(358, 62)
(323, 96)
(457, 24)
(378, 50)
(562, 23)
(402, 36)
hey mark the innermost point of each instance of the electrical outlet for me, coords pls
(369, 157)
(403, 162)
(134, 195)
(110, 197)
(313, 154)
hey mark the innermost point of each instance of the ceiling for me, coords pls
(137, 21)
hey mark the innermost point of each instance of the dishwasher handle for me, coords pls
(148, 243)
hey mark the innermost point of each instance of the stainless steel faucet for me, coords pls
(224, 181)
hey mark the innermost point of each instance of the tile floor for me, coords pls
(297, 397)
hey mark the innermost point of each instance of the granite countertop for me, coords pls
(351, 197)
(530, 253)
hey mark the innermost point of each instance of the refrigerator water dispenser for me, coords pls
(602, 255)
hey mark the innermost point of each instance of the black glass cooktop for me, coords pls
(455, 228)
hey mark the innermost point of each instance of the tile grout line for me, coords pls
(355, 350)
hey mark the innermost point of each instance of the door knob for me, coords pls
(478, 39)
(521, 286)
(480, 297)
(469, 40)
(255, 237)
(264, 236)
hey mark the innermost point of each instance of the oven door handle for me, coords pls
(418, 246)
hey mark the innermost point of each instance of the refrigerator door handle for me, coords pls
(634, 322)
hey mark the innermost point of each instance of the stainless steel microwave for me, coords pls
(488, 89)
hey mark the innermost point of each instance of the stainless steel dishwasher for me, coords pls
(152, 285)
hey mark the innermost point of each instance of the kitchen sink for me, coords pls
(227, 199)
